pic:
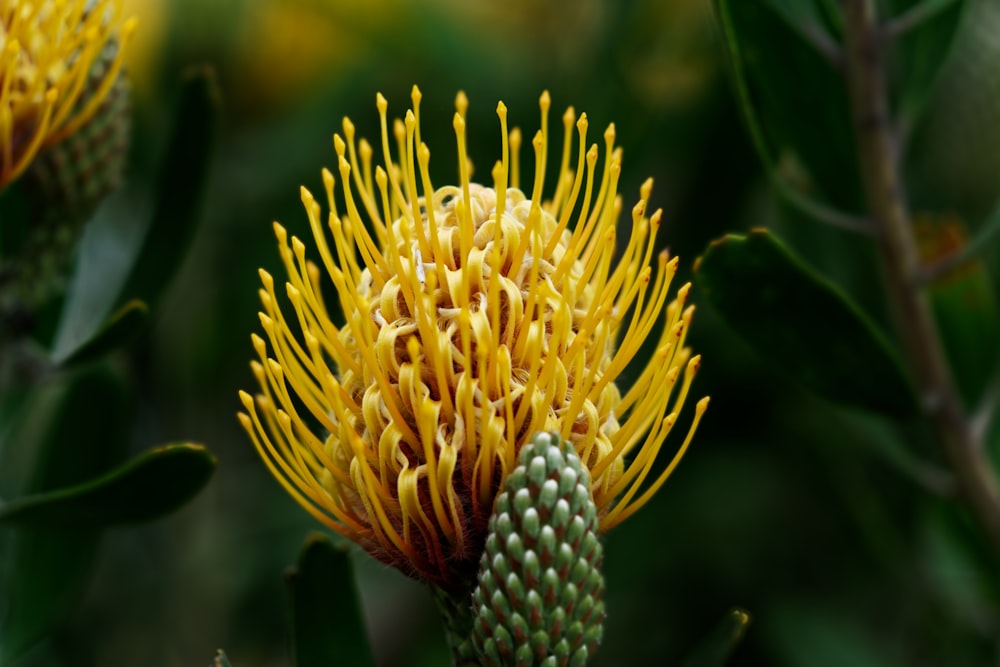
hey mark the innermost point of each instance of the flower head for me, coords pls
(47, 49)
(474, 317)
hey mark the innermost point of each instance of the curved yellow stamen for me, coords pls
(474, 318)
(50, 85)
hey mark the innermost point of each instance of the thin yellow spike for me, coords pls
(569, 117)
(462, 206)
(460, 342)
(514, 140)
(411, 185)
(541, 162)
(415, 97)
(501, 183)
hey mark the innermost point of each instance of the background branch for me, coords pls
(901, 266)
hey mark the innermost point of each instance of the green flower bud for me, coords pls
(539, 598)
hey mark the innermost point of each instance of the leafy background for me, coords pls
(805, 499)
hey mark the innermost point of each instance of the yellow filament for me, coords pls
(474, 317)
(49, 52)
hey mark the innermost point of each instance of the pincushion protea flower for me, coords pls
(475, 317)
(47, 49)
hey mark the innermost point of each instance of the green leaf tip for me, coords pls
(178, 193)
(715, 649)
(221, 660)
(802, 324)
(119, 329)
(147, 487)
(327, 623)
(539, 593)
(181, 187)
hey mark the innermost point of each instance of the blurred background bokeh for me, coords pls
(786, 506)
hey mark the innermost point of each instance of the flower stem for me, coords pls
(878, 151)
(456, 612)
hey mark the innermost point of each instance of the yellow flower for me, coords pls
(47, 48)
(475, 318)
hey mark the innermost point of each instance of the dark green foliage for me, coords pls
(801, 324)
(145, 488)
(86, 435)
(327, 626)
(837, 529)
(716, 649)
(101, 285)
(794, 101)
(123, 326)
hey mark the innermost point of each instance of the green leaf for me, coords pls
(14, 220)
(182, 184)
(953, 154)
(806, 18)
(922, 50)
(86, 435)
(802, 324)
(49, 573)
(715, 649)
(959, 564)
(795, 104)
(119, 259)
(221, 660)
(981, 240)
(808, 633)
(147, 487)
(327, 626)
(120, 329)
(964, 304)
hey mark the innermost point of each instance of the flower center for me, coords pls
(474, 317)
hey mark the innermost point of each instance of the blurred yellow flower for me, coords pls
(47, 49)
(475, 317)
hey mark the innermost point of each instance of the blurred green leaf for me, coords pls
(14, 210)
(960, 565)
(715, 649)
(121, 328)
(981, 239)
(807, 18)
(145, 488)
(952, 154)
(327, 625)
(965, 307)
(808, 635)
(795, 105)
(86, 435)
(922, 49)
(14, 403)
(52, 568)
(182, 184)
(802, 324)
(124, 264)
(221, 660)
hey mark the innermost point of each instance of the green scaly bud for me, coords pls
(73, 176)
(62, 188)
(539, 597)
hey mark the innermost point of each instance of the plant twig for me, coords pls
(824, 44)
(812, 32)
(914, 16)
(785, 189)
(819, 211)
(901, 265)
